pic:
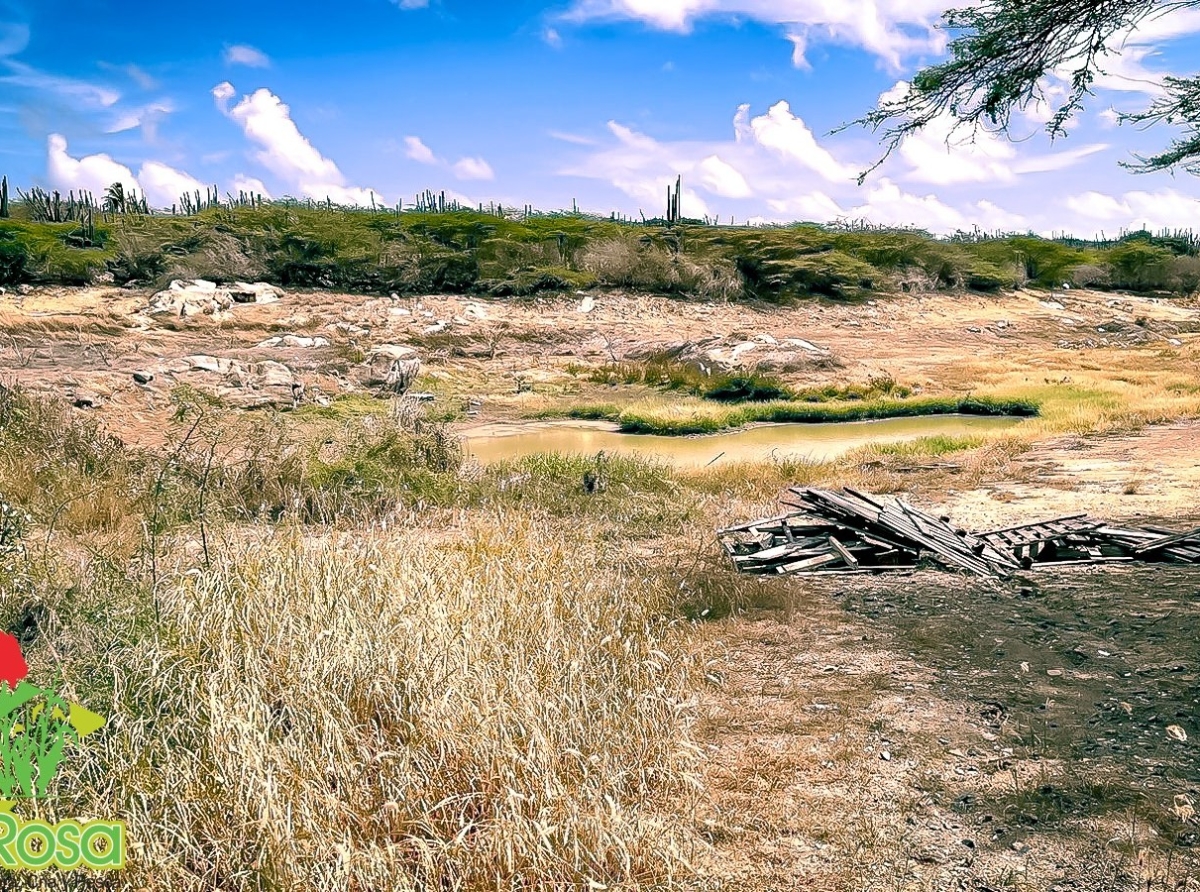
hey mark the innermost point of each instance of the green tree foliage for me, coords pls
(1001, 57)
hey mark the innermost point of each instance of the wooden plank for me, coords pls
(744, 527)
(1022, 526)
(841, 549)
(1158, 544)
(808, 564)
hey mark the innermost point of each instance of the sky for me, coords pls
(596, 102)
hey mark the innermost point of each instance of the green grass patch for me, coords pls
(928, 447)
(682, 420)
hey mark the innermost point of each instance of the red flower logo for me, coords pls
(12, 663)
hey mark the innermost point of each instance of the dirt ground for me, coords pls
(852, 741)
(506, 357)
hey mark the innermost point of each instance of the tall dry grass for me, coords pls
(499, 705)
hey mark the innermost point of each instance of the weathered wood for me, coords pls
(852, 532)
(1177, 538)
(841, 549)
(809, 563)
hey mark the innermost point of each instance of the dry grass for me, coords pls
(502, 708)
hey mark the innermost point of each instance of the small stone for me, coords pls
(85, 399)
(143, 377)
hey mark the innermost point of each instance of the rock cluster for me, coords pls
(248, 385)
(389, 369)
(198, 297)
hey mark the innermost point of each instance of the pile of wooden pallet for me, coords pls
(852, 532)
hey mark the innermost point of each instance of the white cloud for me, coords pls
(552, 37)
(892, 30)
(788, 135)
(1166, 208)
(467, 168)
(888, 205)
(285, 151)
(723, 179)
(411, 4)
(473, 169)
(244, 54)
(249, 185)
(147, 117)
(776, 158)
(418, 151)
(816, 207)
(159, 183)
(88, 94)
(163, 185)
(222, 93)
(572, 138)
(944, 154)
(93, 173)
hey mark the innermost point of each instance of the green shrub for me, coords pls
(14, 259)
(1139, 265)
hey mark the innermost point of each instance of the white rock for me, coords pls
(298, 341)
(216, 364)
(254, 293)
(587, 304)
(390, 367)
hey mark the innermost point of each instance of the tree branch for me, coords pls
(1003, 51)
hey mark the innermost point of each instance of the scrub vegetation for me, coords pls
(502, 253)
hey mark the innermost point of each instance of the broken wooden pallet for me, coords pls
(854, 532)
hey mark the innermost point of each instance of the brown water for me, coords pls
(818, 442)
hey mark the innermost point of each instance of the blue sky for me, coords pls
(602, 102)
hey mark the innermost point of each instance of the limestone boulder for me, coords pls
(389, 369)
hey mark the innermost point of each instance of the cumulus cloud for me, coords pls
(93, 173)
(418, 151)
(944, 154)
(163, 185)
(783, 132)
(284, 150)
(723, 179)
(473, 169)
(159, 183)
(1166, 208)
(774, 162)
(244, 54)
(466, 168)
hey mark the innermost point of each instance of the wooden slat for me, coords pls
(841, 549)
(1158, 544)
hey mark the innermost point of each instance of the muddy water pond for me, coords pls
(818, 442)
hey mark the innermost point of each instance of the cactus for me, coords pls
(673, 202)
(4, 197)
